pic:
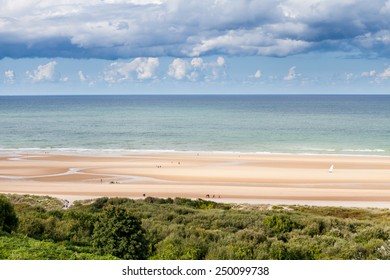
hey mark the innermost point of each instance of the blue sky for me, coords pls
(209, 46)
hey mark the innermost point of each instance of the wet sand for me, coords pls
(277, 179)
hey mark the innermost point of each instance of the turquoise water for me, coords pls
(312, 124)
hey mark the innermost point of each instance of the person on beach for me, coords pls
(66, 203)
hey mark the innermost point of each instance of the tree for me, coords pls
(8, 218)
(120, 234)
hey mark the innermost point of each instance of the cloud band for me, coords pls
(112, 29)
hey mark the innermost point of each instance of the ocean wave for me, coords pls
(364, 150)
(318, 149)
(126, 152)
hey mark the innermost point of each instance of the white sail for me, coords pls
(331, 169)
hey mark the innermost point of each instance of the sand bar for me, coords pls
(355, 180)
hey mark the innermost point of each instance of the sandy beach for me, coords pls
(276, 179)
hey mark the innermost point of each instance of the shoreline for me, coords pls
(128, 152)
(357, 181)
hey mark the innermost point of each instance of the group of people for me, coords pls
(208, 196)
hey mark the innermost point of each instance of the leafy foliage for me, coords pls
(280, 223)
(120, 234)
(157, 228)
(8, 218)
(18, 247)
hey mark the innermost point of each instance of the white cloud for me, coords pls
(152, 28)
(178, 68)
(44, 72)
(82, 76)
(135, 2)
(220, 61)
(377, 76)
(197, 69)
(349, 76)
(146, 68)
(375, 43)
(9, 76)
(385, 74)
(371, 73)
(249, 42)
(258, 74)
(217, 69)
(139, 68)
(291, 75)
(197, 62)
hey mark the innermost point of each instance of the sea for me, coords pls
(264, 124)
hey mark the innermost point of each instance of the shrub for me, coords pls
(32, 227)
(99, 203)
(80, 225)
(278, 251)
(372, 233)
(8, 218)
(158, 200)
(120, 234)
(252, 236)
(316, 227)
(280, 223)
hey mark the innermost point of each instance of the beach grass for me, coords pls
(45, 201)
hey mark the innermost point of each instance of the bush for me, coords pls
(200, 204)
(158, 200)
(192, 229)
(99, 203)
(315, 227)
(248, 235)
(8, 218)
(120, 234)
(372, 233)
(280, 223)
(80, 225)
(33, 227)
(278, 251)
(18, 247)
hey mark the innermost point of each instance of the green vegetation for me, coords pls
(120, 234)
(8, 218)
(180, 228)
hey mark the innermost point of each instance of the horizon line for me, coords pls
(199, 94)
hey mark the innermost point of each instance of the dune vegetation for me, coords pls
(37, 227)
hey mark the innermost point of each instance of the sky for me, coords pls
(194, 47)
